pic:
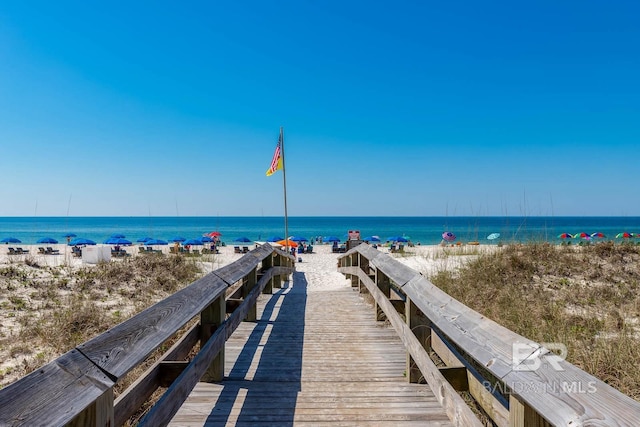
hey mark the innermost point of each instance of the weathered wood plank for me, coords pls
(123, 347)
(54, 394)
(312, 358)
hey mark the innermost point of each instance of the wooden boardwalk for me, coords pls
(313, 358)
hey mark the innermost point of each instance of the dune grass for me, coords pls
(49, 310)
(586, 297)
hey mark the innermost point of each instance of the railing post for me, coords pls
(421, 328)
(99, 413)
(522, 415)
(267, 263)
(384, 284)
(247, 285)
(277, 262)
(210, 319)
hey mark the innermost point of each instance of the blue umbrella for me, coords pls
(330, 239)
(192, 242)
(10, 240)
(151, 242)
(242, 239)
(70, 235)
(81, 241)
(206, 239)
(117, 241)
(177, 239)
(371, 239)
(298, 239)
(396, 239)
(47, 240)
(117, 236)
(274, 238)
(144, 239)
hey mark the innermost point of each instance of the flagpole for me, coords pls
(284, 182)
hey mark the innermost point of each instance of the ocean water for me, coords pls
(426, 230)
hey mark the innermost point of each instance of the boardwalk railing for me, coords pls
(516, 381)
(77, 388)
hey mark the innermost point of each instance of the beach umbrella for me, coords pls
(493, 236)
(330, 239)
(242, 239)
(70, 235)
(81, 241)
(636, 234)
(274, 238)
(448, 236)
(565, 236)
(298, 239)
(119, 241)
(396, 239)
(371, 239)
(117, 236)
(289, 242)
(598, 235)
(143, 239)
(582, 235)
(192, 242)
(624, 235)
(10, 240)
(206, 239)
(152, 242)
(49, 240)
(177, 239)
(214, 234)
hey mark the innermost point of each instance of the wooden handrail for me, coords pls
(542, 388)
(77, 387)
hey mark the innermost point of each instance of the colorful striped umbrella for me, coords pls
(565, 236)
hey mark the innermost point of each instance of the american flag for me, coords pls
(276, 162)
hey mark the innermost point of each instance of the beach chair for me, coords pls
(52, 251)
(42, 251)
(245, 249)
(21, 251)
(309, 249)
(236, 250)
(12, 251)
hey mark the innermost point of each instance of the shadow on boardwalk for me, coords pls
(272, 354)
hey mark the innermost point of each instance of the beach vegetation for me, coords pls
(56, 309)
(586, 297)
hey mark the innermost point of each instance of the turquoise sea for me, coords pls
(426, 230)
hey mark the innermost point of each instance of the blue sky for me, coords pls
(389, 108)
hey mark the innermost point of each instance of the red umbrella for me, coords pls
(624, 235)
(565, 236)
(214, 234)
(598, 235)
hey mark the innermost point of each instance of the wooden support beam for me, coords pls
(249, 283)
(99, 413)
(383, 283)
(420, 326)
(267, 263)
(210, 319)
(522, 415)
